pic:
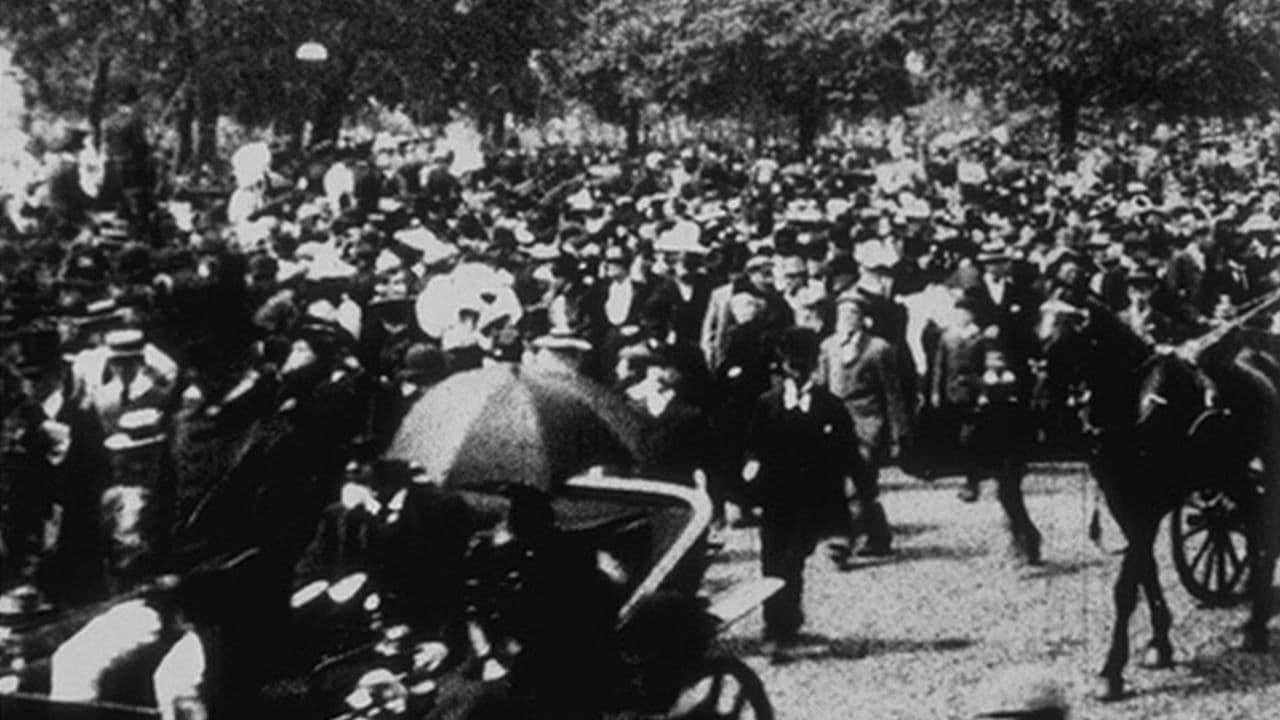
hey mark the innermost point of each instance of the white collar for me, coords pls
(795, 396)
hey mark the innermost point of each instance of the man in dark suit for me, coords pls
(798, 457)
(862, 371)
(1147, 322)
(614, 309)
(757, 278)
(127, 180)
(679, 301)
(1185, 277)
(1007, 308)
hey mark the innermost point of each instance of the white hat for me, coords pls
(1259, 223)
(328, 265)
(837, 207)
(875, 254)
(419, 238)
(683, 237)
(581, 200)
(804, 211)
(913, 207)
(250, 163)
(137, 428)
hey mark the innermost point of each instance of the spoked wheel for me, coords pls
(1211, 547)
(725, 688)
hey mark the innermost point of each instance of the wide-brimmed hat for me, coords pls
(125, 343)
(994, 252)
(1260, 223)
(758, 262)
(561, 339)
(683, 237)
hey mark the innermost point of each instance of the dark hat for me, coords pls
(840, 265)
(856, 297)
(967, 301)
(423, 363)
(799, 347)
(1142, 276)
(649, 353)
(321, 333)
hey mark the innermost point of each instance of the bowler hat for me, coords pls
(799, 347)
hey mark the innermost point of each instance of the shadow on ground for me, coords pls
(1227, 670)
(1059, 568)
(816, 647)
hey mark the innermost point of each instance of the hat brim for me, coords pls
(562, 344)
(120, 442)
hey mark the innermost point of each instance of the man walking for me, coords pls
(798, 457)
(861, 370)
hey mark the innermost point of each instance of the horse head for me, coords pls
(1171, 396)
(1061, 324)
(1097, 357)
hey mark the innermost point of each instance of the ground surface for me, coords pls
(916, 636)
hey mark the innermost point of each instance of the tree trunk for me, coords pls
(808, 121)
(498, 130)
(184, 119)
(809, 117)
(633, 129)
(98, 98)
(207, 111)
(327, 122)
(1068, 121)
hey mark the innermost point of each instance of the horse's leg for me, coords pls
(1159, 650)
(1264, 546)
(1125, 595)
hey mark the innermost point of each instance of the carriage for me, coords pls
(651, 534)
(344, 650)
(1209, 529)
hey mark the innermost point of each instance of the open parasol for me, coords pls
(495, 426)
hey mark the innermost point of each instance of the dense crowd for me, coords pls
(887, 294)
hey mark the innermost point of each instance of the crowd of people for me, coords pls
(790, 324)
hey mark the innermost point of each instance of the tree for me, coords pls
(198, 60)
(1182, 56)
(744, 58)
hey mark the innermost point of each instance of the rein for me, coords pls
(1192, 349)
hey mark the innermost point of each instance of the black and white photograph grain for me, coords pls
(639, 359)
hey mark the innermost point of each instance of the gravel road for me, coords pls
(913, 636)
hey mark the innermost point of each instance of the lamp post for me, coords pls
(310, 54)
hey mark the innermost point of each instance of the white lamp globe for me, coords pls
(312, 51)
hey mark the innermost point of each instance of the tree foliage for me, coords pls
(1179, 56)
(745, 58)
(205, 58)
(752, 60)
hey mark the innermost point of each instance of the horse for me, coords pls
(1165, 424)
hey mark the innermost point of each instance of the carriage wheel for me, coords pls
(725, 688)
(1211, 547)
